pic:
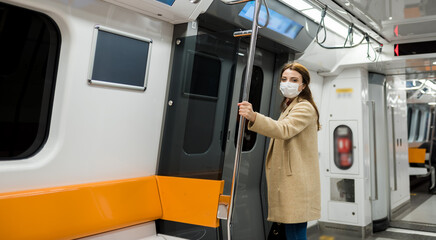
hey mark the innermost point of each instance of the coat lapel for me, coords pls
(289, 108)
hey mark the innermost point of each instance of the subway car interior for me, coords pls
(119, 118)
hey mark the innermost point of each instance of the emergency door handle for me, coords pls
(374, 150)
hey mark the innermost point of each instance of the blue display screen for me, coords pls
(277, 22)
(167, 2)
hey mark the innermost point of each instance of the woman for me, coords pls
(292, 170)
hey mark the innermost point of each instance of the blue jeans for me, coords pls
(296, 231)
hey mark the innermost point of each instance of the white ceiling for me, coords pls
(416, 21)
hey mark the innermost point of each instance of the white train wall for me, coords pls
(348, 71)
(344, 103)
(96, 133)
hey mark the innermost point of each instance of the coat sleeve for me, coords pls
(300, 116)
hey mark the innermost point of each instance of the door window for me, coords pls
(254, 98)
(418, 125)
(201, 87)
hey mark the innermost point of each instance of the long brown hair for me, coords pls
(305, 93)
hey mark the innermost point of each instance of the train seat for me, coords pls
(75, 211)
(417, 155)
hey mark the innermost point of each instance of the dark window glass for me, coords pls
(255, 99)
(414, 48)
(425, 125)
(409, 120)
(204, 78)
(29, 47)
(418, 125)
(203, 92)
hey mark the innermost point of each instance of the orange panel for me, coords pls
(188, 200)
(225, 199)
(78, 210)
(416, 155)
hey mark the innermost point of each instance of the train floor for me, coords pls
(416, 220)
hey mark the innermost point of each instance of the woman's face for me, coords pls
(293, 76)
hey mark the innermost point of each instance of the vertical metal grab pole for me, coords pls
(394, 148)
(246, 92)
(431, 169)
(374, 132)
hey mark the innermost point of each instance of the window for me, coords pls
(425, 122)
(203, 81)
(29, 47)
(418, 125)
(342, 189)
(409, 120)
(254, 98)
(201, 86)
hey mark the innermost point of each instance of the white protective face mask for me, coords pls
(289, 89)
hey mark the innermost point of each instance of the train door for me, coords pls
(379, 152)
(398, 149)
(200, 124)
(192, 146)
(396, 119)
(248, 220)
(412, 119)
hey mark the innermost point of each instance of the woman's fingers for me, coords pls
(245, 107)
(246, 110)
(244, 103)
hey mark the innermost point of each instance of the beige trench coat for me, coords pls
(292, 168)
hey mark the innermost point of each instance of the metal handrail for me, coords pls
(430, 168)
(394, 153)
(246, 92)
(374, 150)
(233, 2)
